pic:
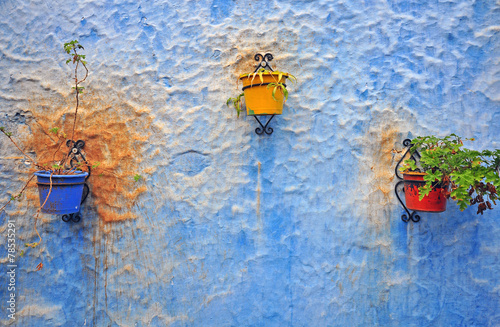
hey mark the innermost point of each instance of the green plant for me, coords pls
(473, 175)
(276, 85)
(237, 103)
(54, 130)
(72, 49)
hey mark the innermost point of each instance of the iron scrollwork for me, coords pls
(264, 129)
(74, 217)
(413, 216)
(76, 157)
(263, 63)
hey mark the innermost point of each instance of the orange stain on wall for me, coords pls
(383, 161)
(114, 132)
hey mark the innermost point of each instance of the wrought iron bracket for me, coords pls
(76, 157)
(413, 216)
(74, 217)
(264, 129)
(263, 63)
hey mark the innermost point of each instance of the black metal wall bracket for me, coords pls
(77, 157)
(263, 63)
(413, 216)
(264, 129)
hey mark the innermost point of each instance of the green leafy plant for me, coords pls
(237, 103)
(277, 86)
(473, 175)
(137, 177)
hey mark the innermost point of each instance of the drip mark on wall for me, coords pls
(257, 209)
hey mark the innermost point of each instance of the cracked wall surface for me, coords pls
(228, 228)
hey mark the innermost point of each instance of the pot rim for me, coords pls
(415, 173)
(264, 74)
(46, 173)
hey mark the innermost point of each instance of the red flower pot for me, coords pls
(435, 201)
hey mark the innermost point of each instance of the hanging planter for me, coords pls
(264, 91)
(262, 95)
(66, 194)
(435, 201)
(444, 169)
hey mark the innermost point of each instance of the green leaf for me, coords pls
(432, 177)
(236, 103)
(424, 190)
(54, 130)
(292, 78)
(492, 176)
(254, 75)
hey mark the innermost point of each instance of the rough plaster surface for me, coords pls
(229, 228)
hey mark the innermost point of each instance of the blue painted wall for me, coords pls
(228, 228)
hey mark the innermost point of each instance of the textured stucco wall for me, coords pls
(229, 228)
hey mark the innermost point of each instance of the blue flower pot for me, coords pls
(66, 194)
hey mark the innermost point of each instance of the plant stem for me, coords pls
(18, 194)
(77, 92)
(27, 156)
(38, 214)
(57, 150)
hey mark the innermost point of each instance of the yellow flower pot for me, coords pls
(259, 98)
